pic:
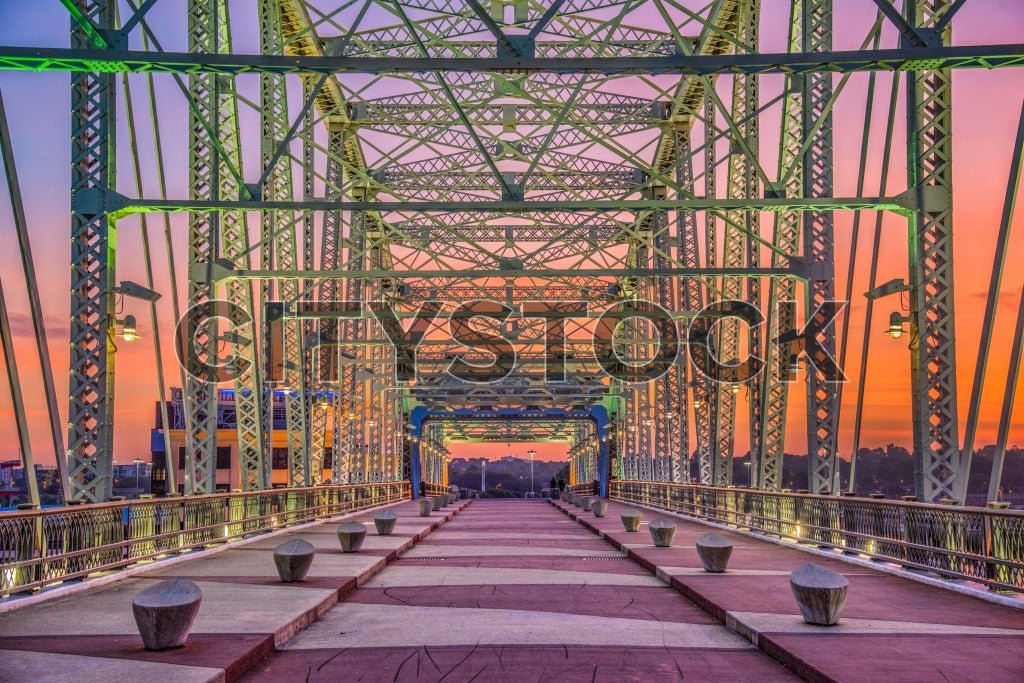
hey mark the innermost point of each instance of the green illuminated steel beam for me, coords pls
(122, 206)
(118, 61)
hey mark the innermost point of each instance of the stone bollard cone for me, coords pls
(425, 505)
(577, 499)
(165, 612)
(819, 592)
(436, 500)
(351, 536)
(293, 559)
(385, 522)
(662, 530)
(599, 507)
(631, 520)
(452, 499)
(714, 551)
(567, 497)
(588, 503)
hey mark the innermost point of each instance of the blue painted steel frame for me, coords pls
(419, 414)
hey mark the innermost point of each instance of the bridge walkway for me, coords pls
(85, 631)
(893, 628)
(516, 590)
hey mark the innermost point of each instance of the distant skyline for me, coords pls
(986, 108)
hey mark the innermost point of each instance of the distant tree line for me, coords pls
(888, 470)
(508, 477)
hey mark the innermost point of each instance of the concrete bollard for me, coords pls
(820, 593)
(293, 559)
(165, 612)
(425, 505)
(588, 502)
(351, 536)
(662, 530)
(577, 499)
(436, 500)
(385, 522)
(631, 520)
(714, 551)
(599, 507)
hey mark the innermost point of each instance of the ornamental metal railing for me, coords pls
(43, 547)
(430, 489)
(976, 544)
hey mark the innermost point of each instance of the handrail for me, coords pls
(975, 544)
(42, 547)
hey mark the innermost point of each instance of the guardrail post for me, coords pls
(141, 526)
(24, 551)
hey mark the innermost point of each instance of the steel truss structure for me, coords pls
(509, 206)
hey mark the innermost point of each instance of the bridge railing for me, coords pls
(430, 489)
(42, 547)
(975, 544)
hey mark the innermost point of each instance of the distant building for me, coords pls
(131, 480)
(229, 474)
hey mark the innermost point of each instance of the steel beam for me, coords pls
(129, 61)
(93, 250)
(819, 248)
(937, 458)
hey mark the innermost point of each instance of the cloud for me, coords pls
(21, 325)
(1005, 297)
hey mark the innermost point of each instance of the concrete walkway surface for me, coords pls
(246, 611)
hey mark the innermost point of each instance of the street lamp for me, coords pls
(531, 453)
(129, 330)
(483, 475)
(137, 461)
(896, 325)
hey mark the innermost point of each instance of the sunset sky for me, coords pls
(987, 105)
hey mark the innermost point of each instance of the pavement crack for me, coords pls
(332, 658)
(459, 663)
(477, 673)
(387, 592)
(427, 653)
(404, 662)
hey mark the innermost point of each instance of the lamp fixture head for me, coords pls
(896, 325)
(129, 332)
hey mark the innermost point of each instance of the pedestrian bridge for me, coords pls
(525, 590)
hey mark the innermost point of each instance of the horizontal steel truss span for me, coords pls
(127, 61)
(119, 206)
(221, 274)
